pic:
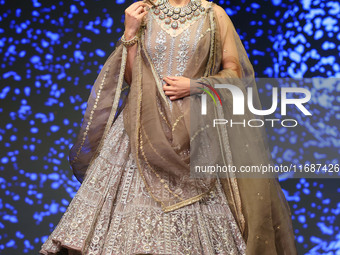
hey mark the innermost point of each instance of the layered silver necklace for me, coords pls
(174, 16)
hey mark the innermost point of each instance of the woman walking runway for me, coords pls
(135, 146)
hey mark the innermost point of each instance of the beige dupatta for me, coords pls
(161, 151)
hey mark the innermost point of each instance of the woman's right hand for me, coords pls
(134, 15)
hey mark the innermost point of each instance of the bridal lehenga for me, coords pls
(133, 151)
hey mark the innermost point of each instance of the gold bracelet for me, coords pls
(129, 43)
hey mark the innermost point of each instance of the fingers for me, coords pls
(139, 10)
(136, 5)
(168, 80)
(166, 87)
(141, 15)
(173, 78)
(170, 93)
(150, 2)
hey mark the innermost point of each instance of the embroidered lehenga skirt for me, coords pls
(112, 213)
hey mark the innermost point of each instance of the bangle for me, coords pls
(129, 43)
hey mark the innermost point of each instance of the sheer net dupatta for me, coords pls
(106, 101)
(257, 201)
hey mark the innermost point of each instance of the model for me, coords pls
(136, 144)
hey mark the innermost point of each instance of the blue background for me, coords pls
(51, 53)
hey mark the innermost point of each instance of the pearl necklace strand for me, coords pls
(174, 16)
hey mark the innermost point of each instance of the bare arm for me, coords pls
(131, 54)
(134, 15)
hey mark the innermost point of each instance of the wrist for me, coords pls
(129, 42)
(196, 86)
(129, 34)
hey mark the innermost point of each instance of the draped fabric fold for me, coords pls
(257, 202)
(167, 141)
(106, 101)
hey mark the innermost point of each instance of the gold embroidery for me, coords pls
(153, 170)
(164, 118)
(124, 88)
(153, 148)
(212, 44)
(198, 131)
(176, 122)
(115, 101)
(91, 116)
(204, 33)
(186, 202)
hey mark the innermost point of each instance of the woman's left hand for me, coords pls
(176, 87)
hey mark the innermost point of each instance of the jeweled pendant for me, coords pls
(182, 20)
(174, 24)
(156, 11)
(188, 11)
(167, 20)
(177, 10)
(175, 16)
